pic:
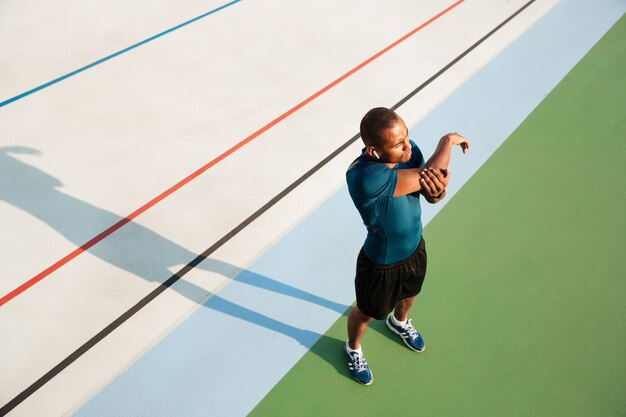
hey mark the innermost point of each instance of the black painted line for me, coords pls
(458, 58)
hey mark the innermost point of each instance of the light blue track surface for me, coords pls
(237, 345)
(281, 306)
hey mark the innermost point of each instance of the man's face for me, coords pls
(395, 146)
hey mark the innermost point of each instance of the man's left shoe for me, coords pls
(409, 335)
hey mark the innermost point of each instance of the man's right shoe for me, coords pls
(358, 367)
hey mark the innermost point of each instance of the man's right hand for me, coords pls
(456, 139)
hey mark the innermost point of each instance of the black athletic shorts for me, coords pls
(378, 287)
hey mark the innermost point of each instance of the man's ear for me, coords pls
(371, 152)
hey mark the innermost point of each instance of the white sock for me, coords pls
(397, 322)
(350, 350)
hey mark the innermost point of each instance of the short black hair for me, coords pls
(374, 122)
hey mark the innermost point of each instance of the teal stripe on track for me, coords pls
(108, 57)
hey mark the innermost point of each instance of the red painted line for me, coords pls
(58, 264)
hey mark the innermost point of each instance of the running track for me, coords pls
(249, 138)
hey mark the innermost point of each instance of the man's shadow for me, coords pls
(139, 250)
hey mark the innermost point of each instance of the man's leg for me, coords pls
(403, 327)
(401, 311)
(357, 323)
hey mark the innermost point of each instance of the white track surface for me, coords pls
(82, 154)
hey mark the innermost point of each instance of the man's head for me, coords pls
(385, 136)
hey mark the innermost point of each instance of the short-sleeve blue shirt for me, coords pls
(394, 224)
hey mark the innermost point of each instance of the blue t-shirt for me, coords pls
(394, 224)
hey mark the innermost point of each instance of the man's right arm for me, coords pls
(441, 156)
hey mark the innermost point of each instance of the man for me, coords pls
(385, 184)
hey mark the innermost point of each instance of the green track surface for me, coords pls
(523, 309)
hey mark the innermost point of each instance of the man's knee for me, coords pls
(359, 316)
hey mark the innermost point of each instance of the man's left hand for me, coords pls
(434, 181)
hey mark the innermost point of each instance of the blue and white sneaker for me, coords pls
(358, 367)
(409, 335)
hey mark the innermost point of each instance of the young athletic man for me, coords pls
(385, 183)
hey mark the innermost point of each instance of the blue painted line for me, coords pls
(100, 61)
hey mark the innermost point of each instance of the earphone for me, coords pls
(375, 154)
